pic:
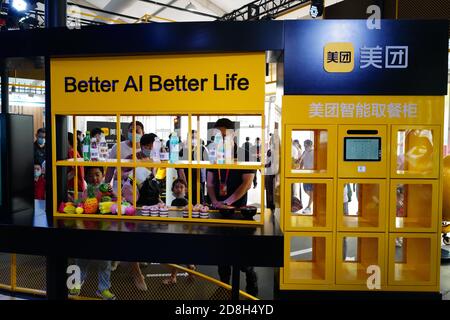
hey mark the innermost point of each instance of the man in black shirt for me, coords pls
(234, 185)
(39, 146)
(229, 188)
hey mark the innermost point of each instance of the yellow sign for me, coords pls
(203, 83)
(339, 57)
(363, 109)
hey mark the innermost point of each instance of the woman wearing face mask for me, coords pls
(144, 153)
(39, 182)
(39, 146)
(126, 151)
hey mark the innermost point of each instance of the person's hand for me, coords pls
(218, 204)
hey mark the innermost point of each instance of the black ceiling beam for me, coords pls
(262, 9)
(181, 9)
(104, 11)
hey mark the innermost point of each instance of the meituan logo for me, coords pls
(339, 57)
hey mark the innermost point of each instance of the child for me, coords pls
(39, 182)
(179, 188)
(95, 177)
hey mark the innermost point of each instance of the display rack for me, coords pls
(224, 100)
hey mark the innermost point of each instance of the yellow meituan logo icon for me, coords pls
(339, 57)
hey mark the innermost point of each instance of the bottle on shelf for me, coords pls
(174, 148)
(94, 150)
(155, 153)
(220, 149)
(87, 147)
(212, 148)
(229, 148)
(103, 148)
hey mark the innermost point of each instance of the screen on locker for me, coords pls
(362, 149)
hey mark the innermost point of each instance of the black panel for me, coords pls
(426, 72)
(362, 131)
(17, 170)
(141, 241)
(145, 38)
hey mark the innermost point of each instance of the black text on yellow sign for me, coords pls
(156, 83)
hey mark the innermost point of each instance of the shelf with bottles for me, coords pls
(414, 205)
(361, 205)
(415, 151)
(308, 258)
(134, 162)
(412, 259)
(100, 143)
(355, 253)
(309, 204)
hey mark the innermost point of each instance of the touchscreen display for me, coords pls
(362, 149)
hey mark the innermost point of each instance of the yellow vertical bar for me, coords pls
(75, 144)
(396, 9)
(13, 272)
(189, 142)
(199, 158)
(75, 140)
(119, 168)
(134, 187)
(54, 168)
(134, 161)
(199, 149)
(190, 203)
(134, 140)
(263, 155)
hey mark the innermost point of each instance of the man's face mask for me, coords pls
(41, 141)
(138, 137)
(146, 152)
(37, 173)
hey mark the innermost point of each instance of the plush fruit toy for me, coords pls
(61, 207)
(130, 211)
(106, 199)
(69, 208)
(105, 207)
(114, 208)
(104, 188)
(79, 210)
(91, 203)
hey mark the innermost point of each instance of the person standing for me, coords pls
(246, 146)
(39, 146)
(80, 138)
(126, 150)
(307, 163)
(229, 188)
